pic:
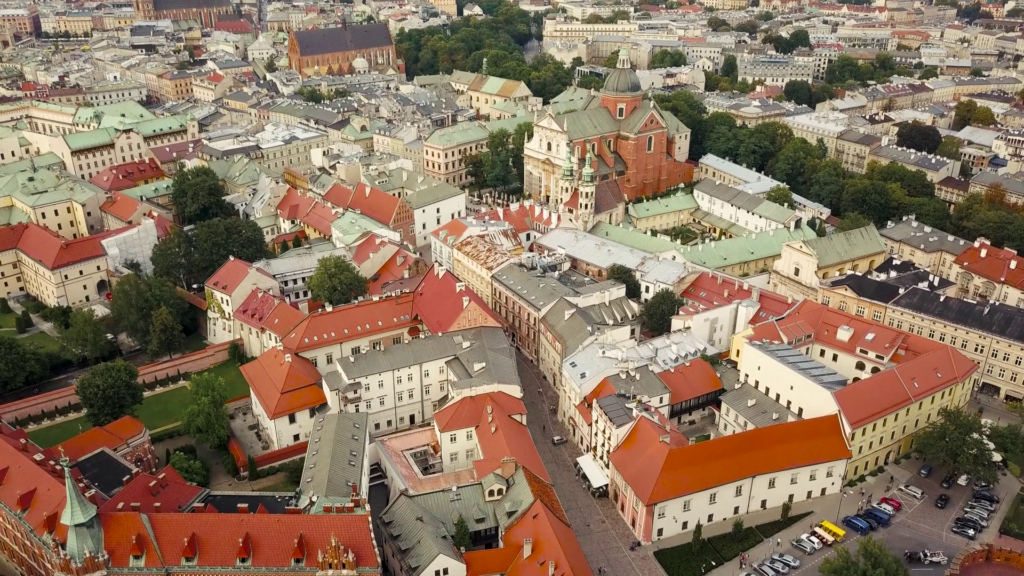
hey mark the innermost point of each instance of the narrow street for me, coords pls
(603, 535)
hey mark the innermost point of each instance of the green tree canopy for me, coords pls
(206, 418)
(918, 136)
(198, 195)
(191, 468)
(950, 148)
(626, 276)
(667, 59)
(612, 61)
(853, 221)
(954, 441)
(336, 281)
(166, 337)
(748, 26)
(799, 92)
(190, 257)
(135, 300)
(461, 539)
(658, 312)
(15, 364)
(928, 73)
(109, 391)
(729, 67)
(781, 196)
(85, 338)
(872, 558)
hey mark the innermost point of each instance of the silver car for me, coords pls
(778, 566)
(983, 504)
(786, 559)
(976, 510)
(803, 545)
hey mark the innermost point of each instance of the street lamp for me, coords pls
(840, 507)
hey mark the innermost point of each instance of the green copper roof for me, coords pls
(85, 535)
(12, 215)
(724, 253)
(164, 125)
(44, 187)
(461, 133)
(149, 191)
(91, 139)
(47, 160)
(350, 226)
(845, 246)
(667, 205)
(634, 238)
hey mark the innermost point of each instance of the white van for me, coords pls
(912, 490)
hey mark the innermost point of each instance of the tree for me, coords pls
(198, 195)
(964, 113)
(749, 26)
(698, 535)
(918, 136)
(983, 116)
(795, 164)
(250, 467)
(206, 418)
(780, 195)
(658, 313)
(135, 300)
(853, 221)
(5, 307)
(950, 148)
(872, 558)
(26, 318)
(879, 201)
(798, 92)
(717, 24)
(192, 469)
(14, 364)
(737, 528)
(928, 73)
(766, 16)
(612, 61)
(84, 338)
(109, 391)
(188, 258)
(787, 507)
(165, 335)
(336, 281)
(729, 67)
(913, 182)
(461, 538)
(270, 66)
(284, 246)
(59, 316)
(626, 276)
(954, 441)
(667, 59)
(977, 72)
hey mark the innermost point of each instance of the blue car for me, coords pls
(857, 525)
(878, 516)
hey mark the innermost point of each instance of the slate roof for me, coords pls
(924, 238)
(159, 5)
(336, 455)
(342, 39)
(1002, 320)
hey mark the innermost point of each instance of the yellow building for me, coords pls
(803, 264)
(475, 260)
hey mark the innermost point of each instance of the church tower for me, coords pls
(144, 9)
(622, 92)
(588, 186)
(567, 182)
(85, 535)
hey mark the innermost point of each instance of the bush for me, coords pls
(730, 546)
(271, 470)
(769, 529)
(228, 461)
(294, 470)
(235, 353)
(1014, 469)
(19, 325)
(26, 319)
(5, 308)
(188, 449)
(685, 560)
(167, 434)
(251, 467)
(879, 470)
(262, 473)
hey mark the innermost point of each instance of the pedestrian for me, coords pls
(778, 542)
(544, 427)
(890, 479)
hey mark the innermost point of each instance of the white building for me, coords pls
(229, 286)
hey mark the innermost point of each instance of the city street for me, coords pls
(603, 535)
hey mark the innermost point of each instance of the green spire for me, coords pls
(588, 171)
(567, 166)
(85, 535)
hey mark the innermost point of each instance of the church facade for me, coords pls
(633, 142)
(205, 11)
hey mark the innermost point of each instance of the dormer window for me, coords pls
(242, 561)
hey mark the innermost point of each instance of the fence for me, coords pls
(61, 399)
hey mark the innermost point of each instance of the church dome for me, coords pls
(360, 64)
(623, 80)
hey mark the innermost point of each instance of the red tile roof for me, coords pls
(256, 307)
(112, 436)
(168, 489)
(231, 274)
(999, 265)
(690, 380)
(439, 302)
(284, 383)
(49, 249)
(658, 471)
(235, 27)
(867, 400)
(451, 232)
(121, 206)
(498, 432)
(394, 268)
(216, 77)
(710, 290)
(369, 201)
(490, 562)
(553, 541)
(351, 322)
(124, 534)
(22, 474)
(282, 319)
(319, 216)
(127, 175)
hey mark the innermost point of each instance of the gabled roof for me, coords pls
(367, 200)
(659, 471)
(231, 274)
(50, 250)
(351, 322)
(168, 489)
(342, 39)
(121, 207)
(690, 380)
(112, 436)
(284, 383)
(498, 431)
(21, 474)
(256, 308)
(999, 265)
(553, 541)
(846, 246)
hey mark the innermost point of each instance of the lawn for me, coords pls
(236, 384)
(1013, 524)
(282, 486)
(685, 561)
(42, 341)
(53, 435)
(769, 529)
(7, 321)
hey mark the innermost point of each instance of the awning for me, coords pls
(593, 472)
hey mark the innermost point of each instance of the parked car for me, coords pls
(556, 440)
(968, 522)
(871, 522)
(786, 559)
(979, 519)
(947, 481)
(765, 570)
(878, 516)
(986, 495)
(857, 525)
(813, 540)
(803, 545)
(983, 504)
(925, 471)
(884, 508)
(963, 480)
(779, 567)
(964, 531)
(892, 503)
(978, 511)
(912, 490)
(942, 500)
(982, 485)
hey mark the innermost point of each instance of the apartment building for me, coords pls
(113, 93)
(51, 198)
(277, 146)
(445, 151)
(1000, 184)
(749, 212)
(475, 260)
(929, 248)
(868, 295)
(521, 297)
(433, 203)
(986, 332)
(885, 384)
(935, 167)
(663, 213)
(775, 70)
(826, 126)
(804, 264)
(24, 22)
(226, 289)
(724, 478)
(984, 272)
(853, 148)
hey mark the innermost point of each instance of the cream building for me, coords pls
(475, 260)
(803, 264)
(929, 248)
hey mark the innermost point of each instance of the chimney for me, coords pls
(243, 508)
(664, 438)
(984, 252)
(287, 357)
(527, 547)
(1013, 264)
(136, 506)
(156, 507)
(551, 568)
(751, 402)
(508, 466)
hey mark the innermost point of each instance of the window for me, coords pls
(739, 490)
(295, 437)
(842, 305)
(861, 311)
(330, 358)
(686, 505)
(713, 498)
(470, 454)
(830, 471)
(621, 112)
(650, 143)
(291, 418)
(814, 475)
(661, 511)
(401, 396)
(764, 504)
(426, 373)
(876, 315)
(369, 404)
(826, 300)
(453, 438)
(380, 401)
(380, 384)
(685, 525)
(453, 457)
(796, 271)
(794, 477)
(711, 518)
(771, 483)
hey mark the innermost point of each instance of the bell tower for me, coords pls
(588, 186)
